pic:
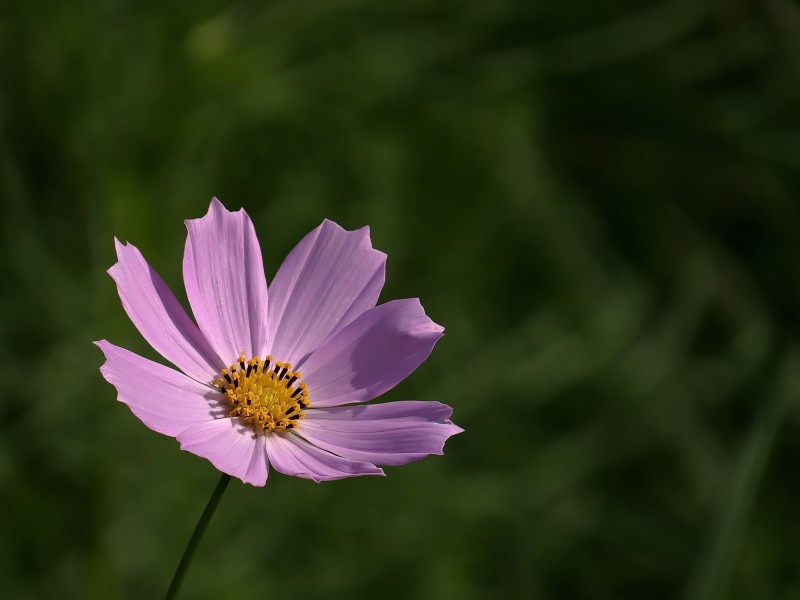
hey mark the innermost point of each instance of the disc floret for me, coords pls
(265, 394)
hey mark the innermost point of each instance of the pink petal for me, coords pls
(394, 433)
(326, 281)
(224, 277)
(294, 456)
(159, 317)
(232, 447)
(164, 399)
(370, 355)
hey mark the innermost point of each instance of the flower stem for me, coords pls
(194, 541)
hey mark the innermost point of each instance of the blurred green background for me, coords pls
(599, 200)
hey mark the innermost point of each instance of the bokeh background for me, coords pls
(599, 200)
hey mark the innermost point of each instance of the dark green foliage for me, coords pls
(599, 200)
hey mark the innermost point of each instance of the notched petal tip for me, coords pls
(443, 419)
(372, 354)
(102, 344)
(329, 279)
(164, 399)
(389, 434)
(216, 210)
(363, 234)
(426, 324)
(456, 429)
(119, 249)
(223, 274)
(106, 348)
(216, 205)
(158, 316)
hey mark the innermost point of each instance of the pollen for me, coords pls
(263, 393)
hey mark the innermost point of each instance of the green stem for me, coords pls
(194, 541)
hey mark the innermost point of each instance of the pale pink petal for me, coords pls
(294, 456)
(394, 433)
(326, 281)
(224, 277)
(164, 399)
(258, 469)
(370, 355)
(159, 317)
(230, 446)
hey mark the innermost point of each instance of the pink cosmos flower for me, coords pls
(277, 378)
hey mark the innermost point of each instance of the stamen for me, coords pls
(266, 399)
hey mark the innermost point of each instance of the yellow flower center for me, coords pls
(265, 394)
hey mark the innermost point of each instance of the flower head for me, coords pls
(277, 377)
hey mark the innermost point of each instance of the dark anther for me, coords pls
(265, 367)
(249, 402)
(290, 426)
(291, 381)
(283, 373)
(249, 369)
(228, 378)
(277, 368)
(297, 391)
(293, 417)
(290, 410)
